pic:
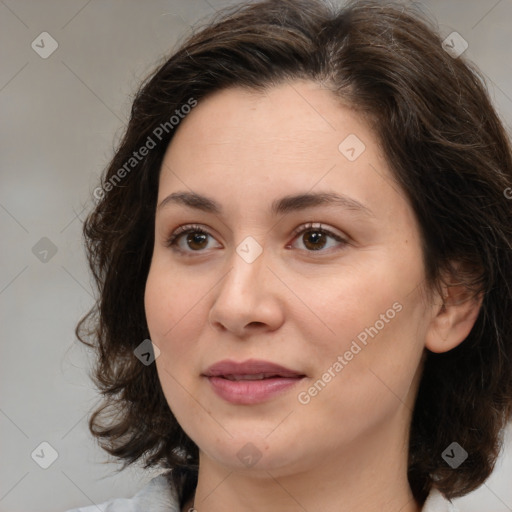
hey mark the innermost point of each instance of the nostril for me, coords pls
(255, 324)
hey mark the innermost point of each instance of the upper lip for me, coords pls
(249, 367)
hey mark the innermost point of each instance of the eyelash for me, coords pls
(194, 228)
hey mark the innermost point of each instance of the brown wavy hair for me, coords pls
(448, 151)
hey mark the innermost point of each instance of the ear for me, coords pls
(455, 313)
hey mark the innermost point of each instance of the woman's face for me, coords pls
(308, 257)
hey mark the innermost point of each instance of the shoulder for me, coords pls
(436, 502)
(157, 496)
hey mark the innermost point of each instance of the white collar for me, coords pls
(436, 502)
(159, 496)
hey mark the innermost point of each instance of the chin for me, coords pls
(255, 454)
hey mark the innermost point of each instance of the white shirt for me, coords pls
(158, 496)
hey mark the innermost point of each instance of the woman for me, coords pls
(308, 218)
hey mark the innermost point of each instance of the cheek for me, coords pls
(370, 352)
(171, 299)
(361, 302)
(173, 306)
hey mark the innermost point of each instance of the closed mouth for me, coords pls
(259, 376)
(251, 369)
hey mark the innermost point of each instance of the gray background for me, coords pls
(61, 117)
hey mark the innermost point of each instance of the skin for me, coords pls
(346, 449)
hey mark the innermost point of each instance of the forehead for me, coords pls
(294, 131)
(298, 114)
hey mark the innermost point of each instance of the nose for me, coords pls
(248, 299)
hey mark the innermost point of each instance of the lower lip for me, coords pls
(248, 392)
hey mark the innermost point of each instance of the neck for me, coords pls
(369, 476)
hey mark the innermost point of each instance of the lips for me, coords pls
(251, 381)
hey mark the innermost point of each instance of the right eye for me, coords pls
(196, 239)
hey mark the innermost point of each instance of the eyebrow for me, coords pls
(287, 204)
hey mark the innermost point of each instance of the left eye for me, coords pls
(315, 237)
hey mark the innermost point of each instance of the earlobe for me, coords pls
(453, 319)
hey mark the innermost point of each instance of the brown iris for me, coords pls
(197, 238)
(317, 238)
